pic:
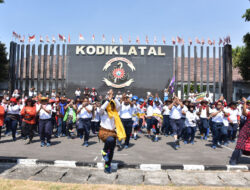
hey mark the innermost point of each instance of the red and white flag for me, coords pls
(113, 39)
(22, 40)
(129, 39)
(61, 38)
(41, 39)
(163, 39)
(81, 38)
(147, 41)
(93, 37)
(69, 38)
(209, 42)
(103, 38)
(14, 34)
(197, 40)
(53, 39)
(32, 38)
(190, 41)
(137, 40)
(220, 41)
(120, 40)
(179, 40)
(173, 41)
(202, 41)
(227, 40)
(155, 40)
(47, 39)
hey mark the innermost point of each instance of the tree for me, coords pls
(3, 62)
(1, 1)
(241, 55)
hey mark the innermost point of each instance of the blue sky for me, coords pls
(186, 18)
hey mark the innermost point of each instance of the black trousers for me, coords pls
(45, 129)
(127, 124)
(27, 130)
(109, 148)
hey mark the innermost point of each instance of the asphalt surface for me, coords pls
(124, 176)
(141, 151)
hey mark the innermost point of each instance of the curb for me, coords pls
(115, 166)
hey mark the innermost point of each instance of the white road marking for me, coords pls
(227, 148)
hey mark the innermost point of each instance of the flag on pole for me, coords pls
(69, 38)
(220, 41)
(213, 42)
(147, 41)
(103, 38)
(61, 37)
(47, 39)
(137, 40)
(41, 39)
(173, 41)
(190, 41)
(155, 40)
(22, 40)
(14, 34)
(129, 39)
(163, 39)
(120, 39)
(179, 40)
(32, 38)
(93, 37)
(209, 42)
(53, 39)
(113, 40)
(81, 38)
(197, 40)
(202, 41)
(171, 84)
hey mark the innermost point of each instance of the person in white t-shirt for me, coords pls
(203, 112)
(126, 114)
(77, 93)
(85, 115)
(107, 132)
(218, 115)
(95, 122)
(234, 120)
(166, 119)
(190, 124)
(44, 111)
(175, 119)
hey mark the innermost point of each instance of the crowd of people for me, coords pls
(88, 112)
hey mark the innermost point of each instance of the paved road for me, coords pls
(141, 151)
(123, 176)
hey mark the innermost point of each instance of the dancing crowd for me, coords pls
(59, 116)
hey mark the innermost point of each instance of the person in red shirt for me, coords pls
(29, 119)
(2, 113)
(242, 145)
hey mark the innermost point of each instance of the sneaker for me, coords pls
(156, 139)
(214, 146)
(126, 146)
(105, 156)
(86, 144)
(232, 141)
(135, 137)
(233, 163)
(218, 143)
(192, 142)
(48, 144)
(205, 138)
(185, 142)
(29, 142)
(42, 144)
(81, 137)
(107, 169)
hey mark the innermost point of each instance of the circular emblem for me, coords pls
(117, 72)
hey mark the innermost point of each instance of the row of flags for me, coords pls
(177, 40)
